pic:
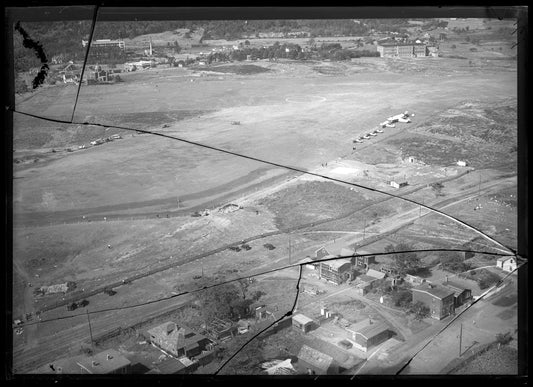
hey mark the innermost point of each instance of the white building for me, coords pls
(506, 263)
(461, 163)
(396, 184)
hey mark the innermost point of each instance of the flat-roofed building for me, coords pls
(402, 50)
(315, 362)
(106, 362)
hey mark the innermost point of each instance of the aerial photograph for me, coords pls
(265, 197)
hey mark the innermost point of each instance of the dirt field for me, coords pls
(297, 114)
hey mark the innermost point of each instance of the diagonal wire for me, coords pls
(288, 314)
(284, 166)
(93, 25)
(457, 316)
(255, 275)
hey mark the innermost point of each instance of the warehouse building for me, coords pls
(401, 50)
(370, 335)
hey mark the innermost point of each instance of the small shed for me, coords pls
(414, 280)
(397, 184)
(302, 322)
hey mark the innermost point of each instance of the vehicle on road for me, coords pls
(372, 134)
(366, 136)
(379, 131)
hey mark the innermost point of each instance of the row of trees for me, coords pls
(290, 51)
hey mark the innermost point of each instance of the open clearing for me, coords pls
(303, 115)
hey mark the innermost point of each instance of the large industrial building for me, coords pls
(402, 50)
(101, 43)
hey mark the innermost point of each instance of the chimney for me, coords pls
(109, 356)
(446, 279)
(95, 363)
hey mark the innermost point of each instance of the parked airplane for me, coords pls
(402, 117)
(387, 124)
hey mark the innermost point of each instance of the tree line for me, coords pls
(331, 51)
(65, 37)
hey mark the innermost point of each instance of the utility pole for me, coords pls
(90, 330)
(479, 186)
(460, 338)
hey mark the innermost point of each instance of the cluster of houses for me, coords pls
(71, 73)
(362, 271)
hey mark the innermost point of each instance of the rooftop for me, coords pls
(170, 366)
(457, 288)
(400, 44)
(60, 366)
(182, 335)
(365, 278)
(337, 263)
(374, 329)
(375, 274)
(104, 362)
(437, 291)
(315, 358)
(302, 319)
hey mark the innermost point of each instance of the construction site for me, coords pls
(257, 176)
